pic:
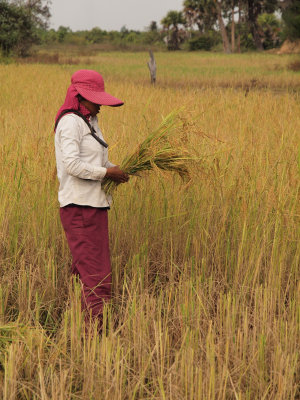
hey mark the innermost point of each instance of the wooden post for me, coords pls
(152, 67)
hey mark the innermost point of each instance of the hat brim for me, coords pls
(101, 98)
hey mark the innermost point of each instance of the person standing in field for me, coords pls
(82, 163)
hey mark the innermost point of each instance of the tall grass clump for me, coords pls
(205, 274)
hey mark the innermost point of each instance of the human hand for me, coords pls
(116, 174)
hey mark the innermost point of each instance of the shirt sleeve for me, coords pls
(70, 138)
(109, 164)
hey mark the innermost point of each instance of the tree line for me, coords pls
(256, 24)
(236, 25)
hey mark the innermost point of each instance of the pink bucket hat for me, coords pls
(90, 85)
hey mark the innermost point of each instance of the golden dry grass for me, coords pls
(206, 276)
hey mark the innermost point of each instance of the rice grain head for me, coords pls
(161, 150)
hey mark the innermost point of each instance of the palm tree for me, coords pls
(205, 13)
(171, 23)
(201, 13)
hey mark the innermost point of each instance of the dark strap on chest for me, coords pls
(92, 130)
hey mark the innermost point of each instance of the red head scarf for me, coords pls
(90, 85)
(71, 101)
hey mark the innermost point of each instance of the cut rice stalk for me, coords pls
(159, 150)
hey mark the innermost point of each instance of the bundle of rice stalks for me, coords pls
(162, 149)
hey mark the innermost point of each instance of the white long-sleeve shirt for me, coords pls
(81, 163)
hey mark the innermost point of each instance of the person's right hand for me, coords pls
(116, 175)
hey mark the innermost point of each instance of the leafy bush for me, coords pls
(96, 35)
(202, 42)
(246, 38)
(132, 37)
(270, 26)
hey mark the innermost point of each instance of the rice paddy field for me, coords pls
(205, 272)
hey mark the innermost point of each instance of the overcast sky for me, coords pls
(110, 14)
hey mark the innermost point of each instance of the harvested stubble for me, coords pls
(160, 150)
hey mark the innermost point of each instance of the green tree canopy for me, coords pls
(38, 9)
(291, 18)
(19, 24)
(201, 13)
(208, 13)
(17, 30)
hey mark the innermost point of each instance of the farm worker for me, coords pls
(82, 163)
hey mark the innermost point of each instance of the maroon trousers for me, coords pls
(86, 230)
